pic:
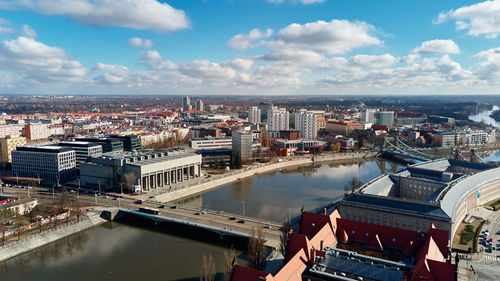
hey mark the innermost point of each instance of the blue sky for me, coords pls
(248, 47)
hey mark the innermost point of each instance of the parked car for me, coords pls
(241, 221)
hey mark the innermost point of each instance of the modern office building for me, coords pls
(7, 145)
(367, 115)
(36, 131)
(199, 105)
(83, 150)
(130, 142)
(108, 144)
(186, 104)
(342, 128)
(439, 192)
(277, 120)
(385, 118)
(306, 122)
(211, 143)
(254, 115)
(242, 145)
(285, 147)
(151, 169)
(50, 162)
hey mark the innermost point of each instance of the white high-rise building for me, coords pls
(277, 120)
(306, 122)
(199, 105)
(254, 115)
(186, 104)
(242, 145)
(367, 115)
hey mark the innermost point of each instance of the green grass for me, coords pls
(467, 234)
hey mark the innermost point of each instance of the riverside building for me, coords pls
(51, 163)
(151, 169)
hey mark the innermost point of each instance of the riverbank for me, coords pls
(32, 242)
(228, 178)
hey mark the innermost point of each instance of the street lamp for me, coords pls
(17, 178)
(121, 187)
(99, 182)
(243, 202)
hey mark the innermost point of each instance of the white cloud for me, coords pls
(137, 14)
(372, 61)
(240, 64)
(437, 46)
(478, 19)
(489, 67)
(29, 32)
(137, 42)
(247, 41)
(334, 37)
(39, 63)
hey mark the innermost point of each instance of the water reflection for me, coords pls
(116, 252)
(276, 195)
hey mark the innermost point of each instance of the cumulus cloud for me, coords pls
(137, 42)
(478, 19)
(437, 46)
(489, 67)
(39, 63)
(372, 61)
(247, 41)
(4, 21)
(334, 37)
(240, 64)
(143, 14)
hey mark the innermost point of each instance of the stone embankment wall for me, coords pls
(25, 245)
(251, 171)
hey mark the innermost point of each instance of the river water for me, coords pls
(485, 117)
(122, 252)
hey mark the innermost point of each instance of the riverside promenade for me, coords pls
(34, 241)
(232, 176)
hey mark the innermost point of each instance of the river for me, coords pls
(485, 117)
(122, 252)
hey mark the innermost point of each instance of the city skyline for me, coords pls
(273, 47)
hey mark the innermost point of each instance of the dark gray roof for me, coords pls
(396, 204)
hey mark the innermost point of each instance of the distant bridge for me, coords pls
(408, 152)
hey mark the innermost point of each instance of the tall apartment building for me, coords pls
(385, 118)
(52, 163)
(278, 120)
(242, 145)
(265, 107)
(306, 122)
(36, 131)
(10, 130)
(199, 105)
(254, 115)
(186, 104)
(367, 115)
(83, 150)
(7, 145)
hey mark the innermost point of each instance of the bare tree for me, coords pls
(229, 262)
(352, 184)
(257, 249)
(286, 230)
(64, 200)
(128, 181)
(208, 270)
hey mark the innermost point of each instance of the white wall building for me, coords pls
(306, 122)
(242, 145)
(254, 115)
(211, 143)
(277, 120)
(367, 115)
